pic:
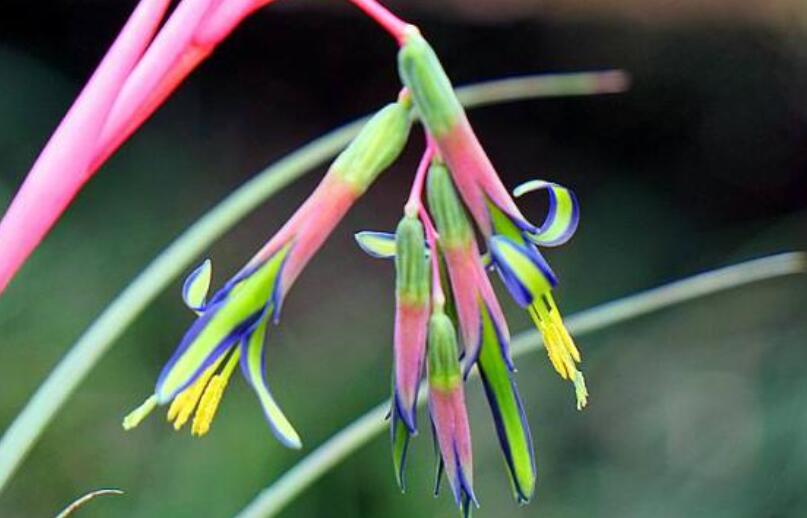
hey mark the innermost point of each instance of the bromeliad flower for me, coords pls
(530, 280)
(512, 240)
(231, 327)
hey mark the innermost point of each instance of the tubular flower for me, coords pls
(485, 327)
(411, 317)
(512, 239)
(231, 327)
(407, 246)
(144, 65)
(447, 411)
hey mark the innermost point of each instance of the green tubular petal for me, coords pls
(444, 366)
(449, 214)
(411, 264)
(508, 413)
(528, 274)
(377, 145)
(253, 362)
(503, 225)
(380, 245)
(422, 73)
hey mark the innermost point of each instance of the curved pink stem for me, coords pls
(219, 19)
(385, 18)
(63, 166)
(162, 55)
(128, 86)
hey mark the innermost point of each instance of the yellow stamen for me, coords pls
(138, 414)
(183, 404)
(560, 347)
(212, 397)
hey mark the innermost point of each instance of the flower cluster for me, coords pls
(442, 282)
(442, 286)
(459, 179)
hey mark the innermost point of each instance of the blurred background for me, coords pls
(699, 410)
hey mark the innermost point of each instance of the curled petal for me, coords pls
(562, 217)
(380, 245)
(196, 286)
(253, 365)
(523, 270)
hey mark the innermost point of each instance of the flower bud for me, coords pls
(422, 73)
(411, 263)
(444, 365)
(411, 318)
(376, 146)
(447, 410)
(447, 209)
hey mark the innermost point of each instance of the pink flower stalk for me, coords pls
(396, 27)
(134, 78)
(171, 57)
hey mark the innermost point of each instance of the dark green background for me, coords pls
(696, 411)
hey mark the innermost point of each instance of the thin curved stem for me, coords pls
(384, 17)
(29, 425)
(84, 500)
(330, 453)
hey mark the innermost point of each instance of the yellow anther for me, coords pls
(209, 403)
(560, 347)
(183, 404)
(208, 406)
(138, 414)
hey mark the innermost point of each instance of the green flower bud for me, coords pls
(434, 97)
(411, 263)
(447, 209)
(443, 362)
(377, 145)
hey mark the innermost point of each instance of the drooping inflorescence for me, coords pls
(458, 222)
(447, 316)
(459, 181)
